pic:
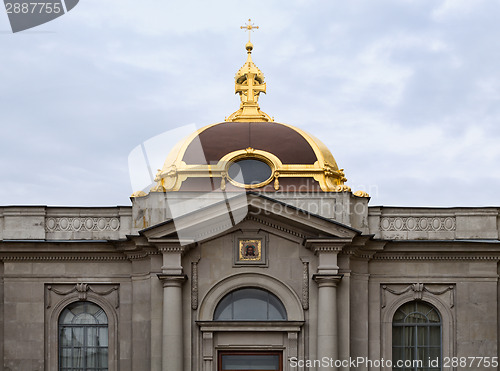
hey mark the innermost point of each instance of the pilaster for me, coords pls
(327, 317)
(172, 278)
(328, 278)
(172, 337)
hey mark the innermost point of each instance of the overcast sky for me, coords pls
(406, 94)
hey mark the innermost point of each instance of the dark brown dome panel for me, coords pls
(218, 140)
(286, 185)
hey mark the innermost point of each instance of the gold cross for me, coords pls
(250, 89)
(249, 27)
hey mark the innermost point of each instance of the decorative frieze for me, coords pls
(84, 224)
(305, 284)
(418, 290)
(194, 284)
(82, 290)
(417, 224)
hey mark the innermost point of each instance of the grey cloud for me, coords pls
(361, 75)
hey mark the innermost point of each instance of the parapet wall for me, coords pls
(406, 223)
(115, 223)
(64, 223)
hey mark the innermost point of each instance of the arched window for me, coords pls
(83, 337)
(416, 337)
(249, 171)
(250, 304)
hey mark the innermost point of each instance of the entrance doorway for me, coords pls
(250, 361)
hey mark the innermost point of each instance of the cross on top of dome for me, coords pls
(249, 83)
(249, 27)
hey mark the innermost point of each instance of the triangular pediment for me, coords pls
(224, 216)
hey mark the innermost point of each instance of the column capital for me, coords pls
(327, 245)
(172, 280)
(172, 251)
(327, 280)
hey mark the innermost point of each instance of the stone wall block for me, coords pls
(24, 223)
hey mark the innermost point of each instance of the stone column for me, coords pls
(327, 278)
(172, 277)
(172, 339)
(327, 317)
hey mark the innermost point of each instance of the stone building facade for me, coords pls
(248, 253)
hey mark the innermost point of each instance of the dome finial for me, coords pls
(249, 83)
(249, 27)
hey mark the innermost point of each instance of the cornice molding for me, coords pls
(178, 249)
(438, 256)
(318, 249)
(76, 257)
(251, 326)
(167, 245)
(141, 254)
(364, 249)
(327, 245)
(275, 226)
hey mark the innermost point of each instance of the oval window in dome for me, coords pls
(249, 171)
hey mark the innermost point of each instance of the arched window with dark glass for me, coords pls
(250, 304)
(416, 336)
(83, 337)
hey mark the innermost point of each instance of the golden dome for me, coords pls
(250, 151)
(289, 158)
